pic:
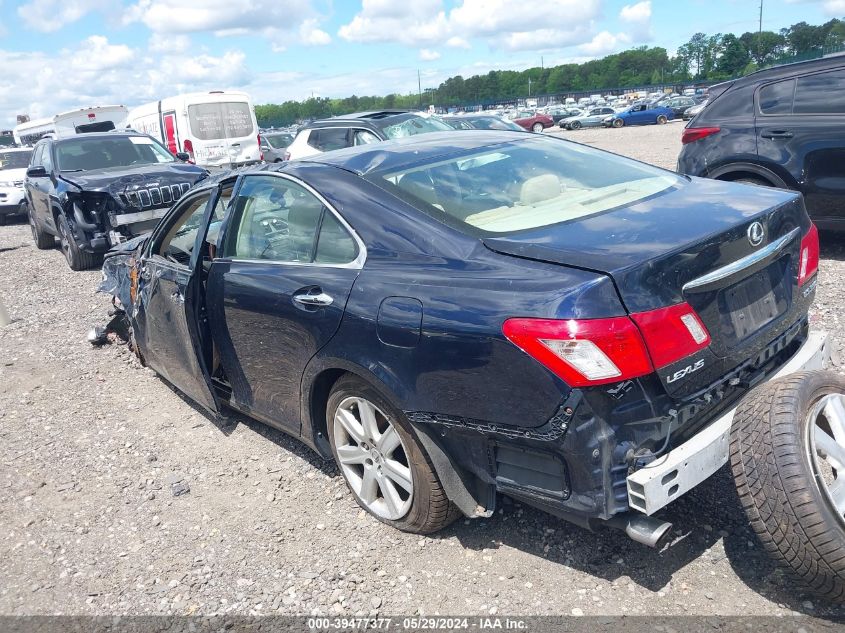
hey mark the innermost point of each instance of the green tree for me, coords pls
(734, 57)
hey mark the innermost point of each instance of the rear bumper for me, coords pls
(659, 483)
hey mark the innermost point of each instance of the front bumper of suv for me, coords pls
(680, 470)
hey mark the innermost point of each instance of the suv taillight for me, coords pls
(188, 146)
(587, 352)
(809, 259)
(692, 134)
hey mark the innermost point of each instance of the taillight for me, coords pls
(286, 156)
(583, 352)
(671, 333)
(809, 262)
(590, 352)
(188, 147)
(260, 153)
(692, 134)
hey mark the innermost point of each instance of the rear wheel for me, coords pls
(42, 240)
(537, 127)
(383, 465)
(661, 119)
(618, 122)
(748, 180)
(788, 462)
(575, 125)
(76, 258)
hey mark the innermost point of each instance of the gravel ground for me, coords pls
(118, 497)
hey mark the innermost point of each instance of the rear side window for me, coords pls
(328, 139)
(777, 98)
(211, 121)
(823, 93)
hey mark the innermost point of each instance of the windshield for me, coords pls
(414, 125)
(14, 160)
(278, 141)
(82, 154)
(494, 123)
(525, 184)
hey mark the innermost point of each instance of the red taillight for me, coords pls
(260, 153)
(590, 352)
(188, 147)
(808, 263)
(692, 134)
(583, 352)
(671, 333)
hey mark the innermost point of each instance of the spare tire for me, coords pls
(788, 463)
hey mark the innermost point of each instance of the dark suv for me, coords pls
(781, 127)
(97, 190)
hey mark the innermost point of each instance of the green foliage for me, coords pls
(703, 58)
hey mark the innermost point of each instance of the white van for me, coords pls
(215, 129)
(94, 119)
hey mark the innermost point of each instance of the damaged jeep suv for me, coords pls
(94, 191)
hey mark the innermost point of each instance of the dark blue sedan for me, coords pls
(457, 315)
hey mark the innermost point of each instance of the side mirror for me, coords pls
(183, 156)
(265, 148)
(37, 171)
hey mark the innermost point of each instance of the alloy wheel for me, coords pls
(373, 458)
(64, 241)
(827, 449)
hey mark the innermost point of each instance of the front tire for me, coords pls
(537, 128)
(575, 125)
(381, 461)
(617, 123)
(76, 258)
(43, 241)
(661, 120)
(788, 462)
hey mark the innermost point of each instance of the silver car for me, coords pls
(591, 118)
(274, 145)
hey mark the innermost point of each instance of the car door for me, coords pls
(800, 125)
(40, 187)
(170, 305)
(277, 293)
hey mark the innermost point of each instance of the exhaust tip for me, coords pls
(643, 529)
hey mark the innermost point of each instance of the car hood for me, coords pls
(13, 175)
(117, 180)
(655, 246)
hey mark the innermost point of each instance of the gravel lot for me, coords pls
(93, 449)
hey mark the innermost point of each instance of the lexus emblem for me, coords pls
(756, 233)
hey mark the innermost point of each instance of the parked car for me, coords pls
(640, 114)
(449, 317)
(590, 118)
(361, 128)
(679, 105)
(13, 164)
(691, 112)
(274, 146)
(70, 123)
(96, 190)
(481, 122)
(780, 127)
(533, 121)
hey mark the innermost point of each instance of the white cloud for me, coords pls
(505, 24)
(169, 44)
(312, 36)
(428, 55)
(603, 43)
(96, 54)
(51, 15)
(831, 8)
(637, 17)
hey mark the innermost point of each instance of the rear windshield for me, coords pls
(14, 160)
(82, 154)
(212, 121)
(278, 141)
(409, 125)
(494, 123)
(525, 184)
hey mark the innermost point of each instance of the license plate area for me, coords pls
(750, 305)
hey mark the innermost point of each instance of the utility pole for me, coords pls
(419, 87)
(529, 86)
(760, 32)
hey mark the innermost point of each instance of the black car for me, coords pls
(781, 127)
(456, 315)
(482, 122)
(96, 190)
(679, 105)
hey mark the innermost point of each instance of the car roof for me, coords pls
(110, 134)
(788, 70)
(397, 153)
(357, 117)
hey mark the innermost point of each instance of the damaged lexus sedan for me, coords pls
(453, 316)
(96, 190)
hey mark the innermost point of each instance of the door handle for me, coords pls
(315, 298)
(177, 297)
(776, 134)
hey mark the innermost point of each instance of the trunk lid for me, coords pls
(691, 244)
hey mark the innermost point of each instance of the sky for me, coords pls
(60, 54)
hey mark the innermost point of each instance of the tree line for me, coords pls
(704, 58)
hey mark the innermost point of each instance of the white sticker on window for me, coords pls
(140, 140)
